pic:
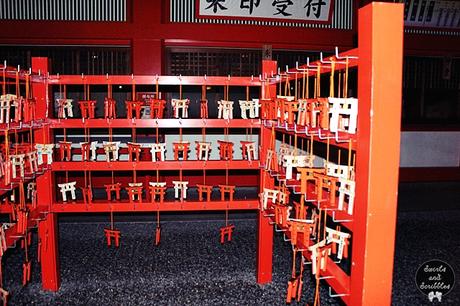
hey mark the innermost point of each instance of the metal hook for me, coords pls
(304, 261)
(337, 56)
(338, 294)
(326, 277)
(290, 72)
(311, 66)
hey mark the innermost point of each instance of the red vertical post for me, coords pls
(47, 228)
(48, 235)
(39, 89)
(265, 230)
(380, 45)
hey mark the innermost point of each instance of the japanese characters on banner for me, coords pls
(432, 13)
(301, 10)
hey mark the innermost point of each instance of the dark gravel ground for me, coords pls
(190, 267)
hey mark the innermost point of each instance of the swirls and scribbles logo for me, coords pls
(435, 279)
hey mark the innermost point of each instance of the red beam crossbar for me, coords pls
(149, 165)
(154, 123)
(151, 79)
(105, 206)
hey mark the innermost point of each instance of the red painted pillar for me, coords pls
(148, 56)
(39, 90)
(265, 230)
(380, 44)
(47, 228)
(48, 235)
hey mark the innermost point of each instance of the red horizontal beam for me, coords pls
(154, 123)
(153, 79)
(105, 206)
(149, 165)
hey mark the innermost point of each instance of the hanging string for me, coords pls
(304, 89)
(109, 89)
(349, 158)
(295, 87)
(180, 90)
(4, 81)
(338, 159)
(133, 96)
(18, 90)
(294, 251)
(318, 80)
(331, 80)
(157, 89)
(345, 80)
(339, 84)
(111, 217)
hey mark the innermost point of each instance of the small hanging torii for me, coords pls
(111, 149)
(158, 151)
(135, 192)
(203, 103)
(110, 105)
(157, 190)
(17, 160)
(32, 159)
(88, 151)
(44, 150)
(6, 101)
(339, 241)
(225, 109)
(133, 106)
(65, 150)
(180, 189)
(65, 108)
(180, 107)
(112, 233)
(157, 105)
(68, 187)
(134, 151)
(249, 105)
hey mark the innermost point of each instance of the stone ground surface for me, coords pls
(192, 268)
